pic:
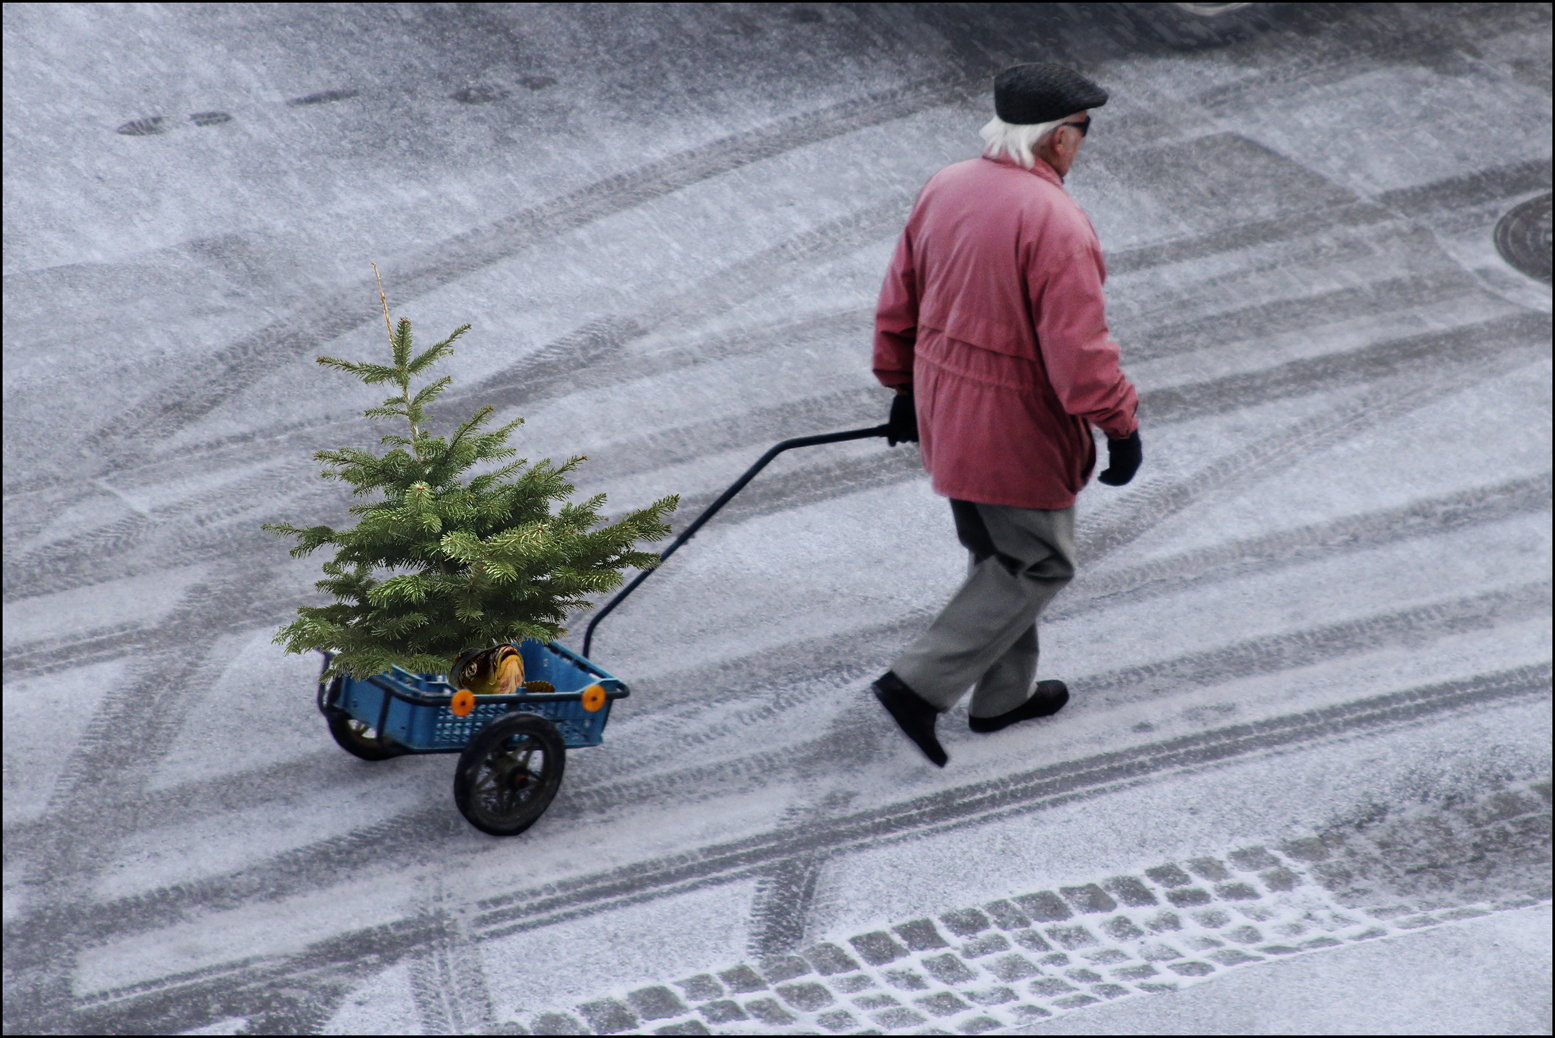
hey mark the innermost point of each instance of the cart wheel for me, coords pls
(509, 773)
(361, 739)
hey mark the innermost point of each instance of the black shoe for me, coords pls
(912, 715)
(1049, 698)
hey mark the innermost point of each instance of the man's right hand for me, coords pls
(1123, 458)
(902, 426)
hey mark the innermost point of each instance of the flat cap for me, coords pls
(1041, 92)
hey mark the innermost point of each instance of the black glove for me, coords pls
(902, 427)
(1123, 457)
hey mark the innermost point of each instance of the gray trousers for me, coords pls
(986, 638)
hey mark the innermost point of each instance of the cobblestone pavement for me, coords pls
(1012, 961)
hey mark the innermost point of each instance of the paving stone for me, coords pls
(1310, 849)
(556, 1023)
(1121, 928)
(607, 1016)
(1071, 937)
(1043, 906)
(1465, 913)
(941, 1003)
(1157, 987)
(1245, 935)
(1136, 972)
(1252, 859)
(1010, 968)
(1213, 918)
(701, 987)
(1209, 868)
(1075, 1001)
(1163, 922)
(1031, 940)
(1233, 957)
(722, 1011)
(1321, 942)
(837, 1020)
(979, 1024)
(919, 935)
(965, 924)
(899, 1017)
(1258, 912)
(742, 979)
(1109, 990)
(1414, 922)
(906, 980)
(1280, 949)
(768, 1011)
(1199, 943)
(683, 1027)
(987, 944)
(1029, 1012)
(992, 996)
(1159, 953)
(656, 1003)
(784, 967)
(876, 1001)
(877, 948)
(1389, 911)
(852, 983)
(1006, 916)
(1106, 956)
(1168, 876)
(1189, 896)
(1056, 959)
(1192, 969)
(828, 960)
(1047, 987)
(1236, 892)
(1280, 879)
(1130, 891)
(808, 996)
(1083, 976)
(1089, 898)
(948, 969)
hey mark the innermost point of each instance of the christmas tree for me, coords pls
(437, 566)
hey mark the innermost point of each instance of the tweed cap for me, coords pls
(1041, 92)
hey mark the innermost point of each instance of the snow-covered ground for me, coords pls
(1309, 648)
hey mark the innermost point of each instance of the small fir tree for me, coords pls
(437, 566)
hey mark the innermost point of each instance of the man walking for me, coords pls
(992, 332)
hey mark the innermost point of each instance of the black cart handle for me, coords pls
(739, 484)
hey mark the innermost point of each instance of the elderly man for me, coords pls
(991, 330)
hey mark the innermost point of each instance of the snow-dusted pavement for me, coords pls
(1303, 784)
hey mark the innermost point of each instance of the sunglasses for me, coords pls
(1082, 126)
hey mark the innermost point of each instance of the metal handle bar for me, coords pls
(739, 484)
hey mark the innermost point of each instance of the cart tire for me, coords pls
(359, 739)
(509, 773)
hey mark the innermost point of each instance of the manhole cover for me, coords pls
(145, 127)
(323, 97)
(1523, 238)
(479, 95)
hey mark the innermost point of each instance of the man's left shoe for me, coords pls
(1048, 698)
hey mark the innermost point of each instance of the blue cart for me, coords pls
(512, 747)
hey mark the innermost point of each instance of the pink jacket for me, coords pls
(992, 310)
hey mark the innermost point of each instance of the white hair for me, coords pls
(1017, 140)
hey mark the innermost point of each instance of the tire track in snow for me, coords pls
(405, 840)
(217, 378)
(328, 963)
